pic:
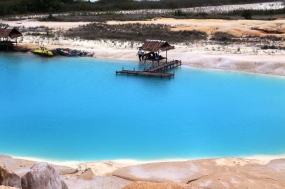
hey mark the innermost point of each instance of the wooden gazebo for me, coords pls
(11, 33)
(6, 34)
(154, 47)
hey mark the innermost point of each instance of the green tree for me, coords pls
(41, 5)
(179, 13)
(247, 14)
(2, 9)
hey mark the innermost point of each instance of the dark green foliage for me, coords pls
(223, 37)
(41, 5)
(271, 38)
(247, 14)
(179, 13)
(269, 47)
(135, 32)
(258, 13)
(192, 35)
(102, 17)
(50, 18)
(265, 47)
(8, 8)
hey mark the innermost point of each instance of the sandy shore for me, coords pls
(106, 167)
(253, 172)
(103, 170)
(249, 59)
(245, 57)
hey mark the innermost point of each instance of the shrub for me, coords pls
(247, 14)
(136, 32)
(223, 37)
(179, 13)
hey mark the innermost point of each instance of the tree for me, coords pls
(247, 14)
(41, 5)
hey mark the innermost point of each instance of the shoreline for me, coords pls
(245, 56)
(262, 159)
(260, 64)
(205, 172)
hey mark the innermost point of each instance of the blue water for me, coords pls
(79, 109)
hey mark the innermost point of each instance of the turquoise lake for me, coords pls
(78, 109)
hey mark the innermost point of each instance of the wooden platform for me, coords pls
(145, 73)
(165, 66)
(157, 71)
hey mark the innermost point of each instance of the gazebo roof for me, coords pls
(12, 33)
(156, 45)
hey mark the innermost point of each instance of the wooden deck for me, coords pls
(165, 66)
(145, 73)
(157, 71)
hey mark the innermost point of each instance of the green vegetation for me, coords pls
(247, 14)
(133, 32)
(223, 37)
(100, 17)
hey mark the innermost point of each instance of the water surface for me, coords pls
(79, 109)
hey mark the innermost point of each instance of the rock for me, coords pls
(42, 176)
(18, 166)
(87, 175)
(219, 173)
(8, 178)
(65, 170)
(179, 172)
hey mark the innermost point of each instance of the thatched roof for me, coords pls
(156, 45)
(12, 33)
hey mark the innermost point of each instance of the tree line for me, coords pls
(13, 7)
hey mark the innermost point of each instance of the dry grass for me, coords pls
(133, 32)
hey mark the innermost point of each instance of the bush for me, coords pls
(179, 13)
(50, 18)
(223, 37)
(136, 32)
(247, 14)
